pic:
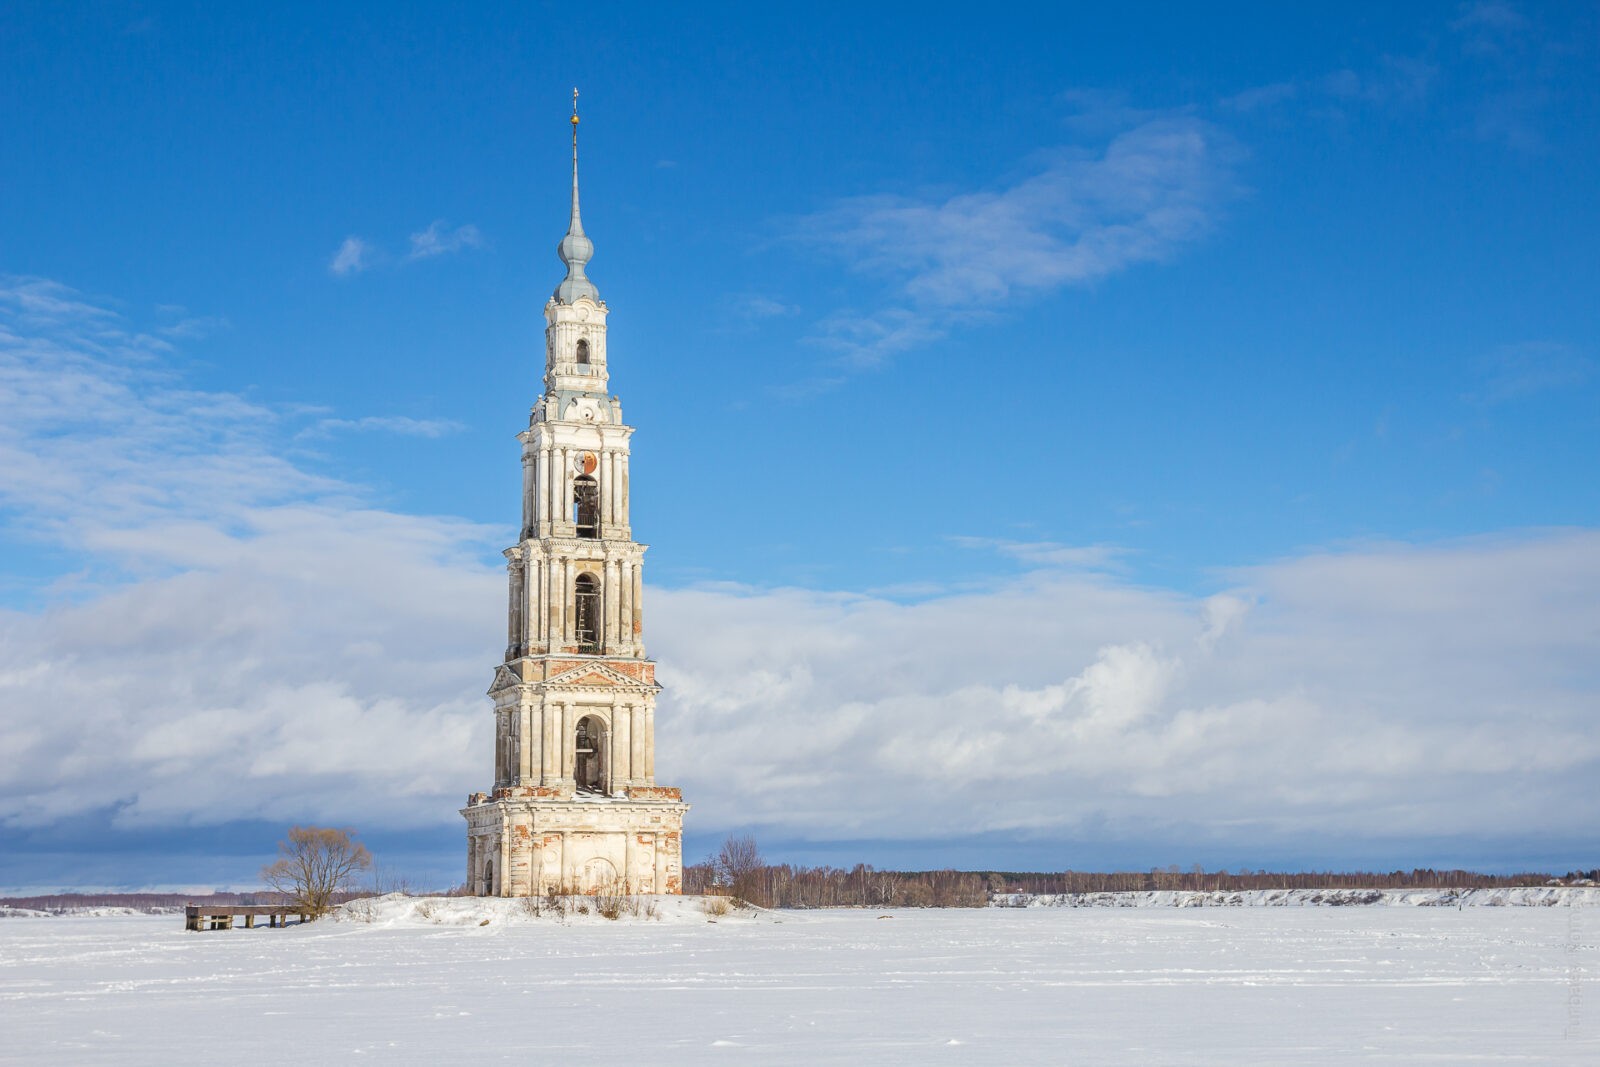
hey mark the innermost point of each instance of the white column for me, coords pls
(621, 747)
(514, 612)
(650, 744)
(569, 742)
(570, 602)
(613, 604)
(547, 743)
(637, 621)
(625, 612)
(564, 488)
(636, 742)
(558, 575)
(544, 490)
(622, 487)
(532, 600)
(530, 745)
(528, 480)
(513, 746)
(541, 591)
(614, 488)
(603, 476)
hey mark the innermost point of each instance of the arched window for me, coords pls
(583, 352)
(488, 878)
(586, 612)
(589, 769)
(586, 506)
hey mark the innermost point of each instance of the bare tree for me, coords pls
(315, 864)
(740, 868)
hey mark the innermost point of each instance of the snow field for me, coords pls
(1266, 985)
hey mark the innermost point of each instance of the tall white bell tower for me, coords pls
(575, 805)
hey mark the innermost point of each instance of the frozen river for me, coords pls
(1128, 986)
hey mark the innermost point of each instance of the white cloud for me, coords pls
(270, 647)
(755, 306)
(404, 425)
(357, 254)
(1046, 553)
(438, 239)
(1372, 693)
(1079, 217)
(353, 257)
(1516, 371)
(1488, 28)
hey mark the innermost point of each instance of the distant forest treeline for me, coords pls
(151, 902)
(786, 886)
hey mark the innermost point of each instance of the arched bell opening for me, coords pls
(586, 612)
(589, 769)
(586, 506)
(583, 353)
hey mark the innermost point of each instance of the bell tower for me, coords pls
(575, 805)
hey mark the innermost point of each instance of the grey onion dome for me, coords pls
(575, 248)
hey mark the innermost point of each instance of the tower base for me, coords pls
(526, 845)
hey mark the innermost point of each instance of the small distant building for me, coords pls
(575, 805)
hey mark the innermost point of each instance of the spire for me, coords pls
(575, 249)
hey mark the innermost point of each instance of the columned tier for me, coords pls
(575, 596)
(573, 726)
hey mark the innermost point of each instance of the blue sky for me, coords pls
(1082, 364)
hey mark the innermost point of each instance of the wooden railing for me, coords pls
(221, 916)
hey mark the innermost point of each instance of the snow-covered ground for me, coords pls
(434, 985)
(1533, 896)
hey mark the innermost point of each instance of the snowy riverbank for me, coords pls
(1531, 896)
(397, 910)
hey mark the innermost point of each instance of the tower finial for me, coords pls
(575, 248)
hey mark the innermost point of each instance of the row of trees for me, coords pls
(1197, 878)
(786, 886)
(739, 871)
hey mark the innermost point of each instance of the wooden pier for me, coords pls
(221, 916)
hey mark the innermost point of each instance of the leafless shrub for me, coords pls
(739, 867)
(610, 899)
(315, 864)
(557, 901)
(714, 905)
(386, 881)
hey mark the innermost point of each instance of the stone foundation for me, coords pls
(520, 846)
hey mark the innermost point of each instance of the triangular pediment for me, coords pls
(504, 678)
(596, 676)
